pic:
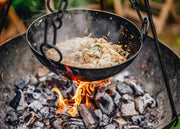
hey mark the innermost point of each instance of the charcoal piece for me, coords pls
(42, 79)
(30, 89)
(47, 123)
(15, 102)
(36, 94)
(48, 91)
(39, 124)
(22, 127)
(22, 103)
(147, 124)
(137, 120)
(137, 88)
(139, 103)
(131, 127)
(29, 98)
(27, 118)
(57, 124)
(128, 109)
(43, 99)
(115, 95)
(120, 122)
(122, 88)
(149, 101)
(37, 90)
(60, 82)
(110, 126)
(20, 83)
(44, 112)
(104, 102)
(12, 117)
(31, 118)
(127, 98)
(68, 93)
(116, 113)
(33, 80)
(88, 116)
(73, 127)
(98, 113)
(76, 121)
(120, 77)
(35, 105)
(105, 120)
(64, 117)
(39, 128)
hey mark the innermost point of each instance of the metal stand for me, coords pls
(175, 115)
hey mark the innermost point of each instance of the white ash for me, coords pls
(121, 105)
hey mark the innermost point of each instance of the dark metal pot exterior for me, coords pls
(99, 24)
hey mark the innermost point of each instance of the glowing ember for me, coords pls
(84, 90)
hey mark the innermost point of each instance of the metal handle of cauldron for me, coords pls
(145, 21)
(56, 23)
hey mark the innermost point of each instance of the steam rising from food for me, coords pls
(89, 52)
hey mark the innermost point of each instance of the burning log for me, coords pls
(88, 116)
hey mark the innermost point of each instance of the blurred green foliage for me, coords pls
(27, 9)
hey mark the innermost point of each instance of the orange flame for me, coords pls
(84, 90)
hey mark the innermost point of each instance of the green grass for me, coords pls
(178, 126)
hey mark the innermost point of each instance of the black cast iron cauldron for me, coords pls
(80, 23)
(17, 60)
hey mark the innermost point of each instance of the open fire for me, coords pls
(83, 91)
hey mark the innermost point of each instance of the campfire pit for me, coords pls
(145, 70)
(136, 98)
